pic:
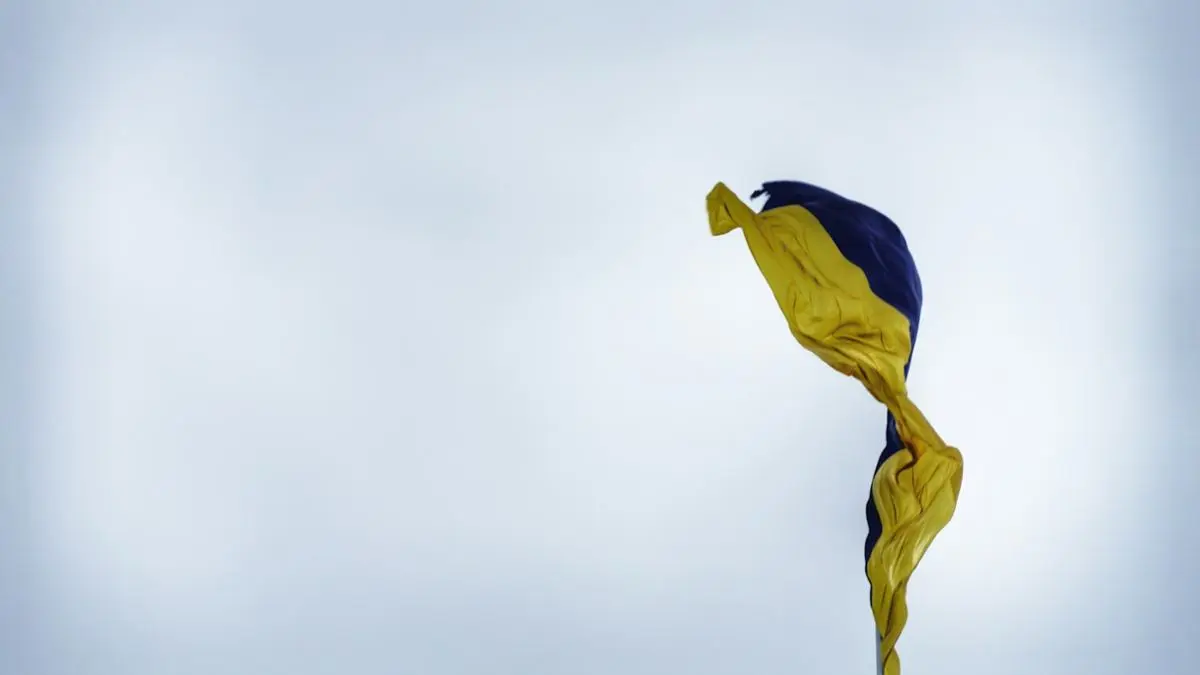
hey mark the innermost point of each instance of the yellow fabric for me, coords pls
(832, 312)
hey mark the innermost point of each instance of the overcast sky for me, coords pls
(373, 338)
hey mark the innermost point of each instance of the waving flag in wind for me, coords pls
(842, 274)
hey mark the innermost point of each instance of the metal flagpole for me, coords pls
(878, 654)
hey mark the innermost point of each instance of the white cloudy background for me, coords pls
(360, 338)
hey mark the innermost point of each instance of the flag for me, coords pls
(842, 274)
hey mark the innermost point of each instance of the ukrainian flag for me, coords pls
(842, 274)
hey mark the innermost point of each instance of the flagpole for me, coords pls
(878, 654)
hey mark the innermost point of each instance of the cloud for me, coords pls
(356, 364)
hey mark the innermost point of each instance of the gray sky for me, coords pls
(356, 339)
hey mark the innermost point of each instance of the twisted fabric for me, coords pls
(833, 312)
